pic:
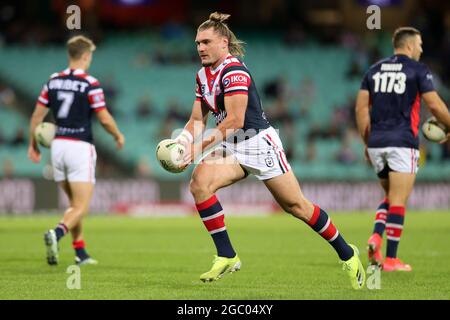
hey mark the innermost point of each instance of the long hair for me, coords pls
(217, 21)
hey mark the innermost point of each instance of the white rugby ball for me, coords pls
(170, 155)
(433, 130)
(45, 133)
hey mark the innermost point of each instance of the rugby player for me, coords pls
(244, 143)
(388, 117)
(73, 96)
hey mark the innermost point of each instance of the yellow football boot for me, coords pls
(221, 266)
(355, 269)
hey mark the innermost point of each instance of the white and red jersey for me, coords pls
(229, 78)
(73, 96)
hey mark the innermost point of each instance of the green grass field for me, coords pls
(162, 259)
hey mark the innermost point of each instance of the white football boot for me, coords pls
(52, 247)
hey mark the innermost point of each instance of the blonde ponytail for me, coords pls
(219, 17)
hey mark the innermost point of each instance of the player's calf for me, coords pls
(301, 209)
(73, 216)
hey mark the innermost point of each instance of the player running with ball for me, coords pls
(388, 117)
(227, 90)
(73, 96)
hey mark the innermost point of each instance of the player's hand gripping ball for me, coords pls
(170, 155)
(45, 133)
(433, 130)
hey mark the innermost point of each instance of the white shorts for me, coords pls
(396, 159)
(73, 160)
(261, 155)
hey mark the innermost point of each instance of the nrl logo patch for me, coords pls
(269, 162)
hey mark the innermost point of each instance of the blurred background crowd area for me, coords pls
(306, 57)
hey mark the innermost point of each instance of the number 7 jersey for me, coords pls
(395, 86)
(73, 96)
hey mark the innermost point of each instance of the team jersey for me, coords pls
(231, 77)
(73, 96)
(395, 86)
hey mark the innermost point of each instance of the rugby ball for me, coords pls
(433, 130)
(170, 155)
(44, 134)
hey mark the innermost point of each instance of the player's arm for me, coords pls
(438, 108)
(96, 99)
(195, 125)
(362, 111)
(235, 106)
(109, 124)
(432, 100)
(197, 121)
(39, 113)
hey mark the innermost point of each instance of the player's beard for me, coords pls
(208, 63)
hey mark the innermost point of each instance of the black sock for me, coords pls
(213, 218)
(60, 230)
(81, 253)
(80, 249)
(321, 223)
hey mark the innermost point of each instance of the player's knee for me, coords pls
(396, 199)
(397, 202)
(199, 186)
(81, 209)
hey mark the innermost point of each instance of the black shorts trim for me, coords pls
(384, 174)
(245, 172)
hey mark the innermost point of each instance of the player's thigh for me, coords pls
(377, 157)
(404, 165)
(400, 187)
(80, 162)
(384, 182)
(215, 172)
(57, 151)
(81, 194)
(73, 161)
(287, 192)
(404, 160)
(66, 188)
